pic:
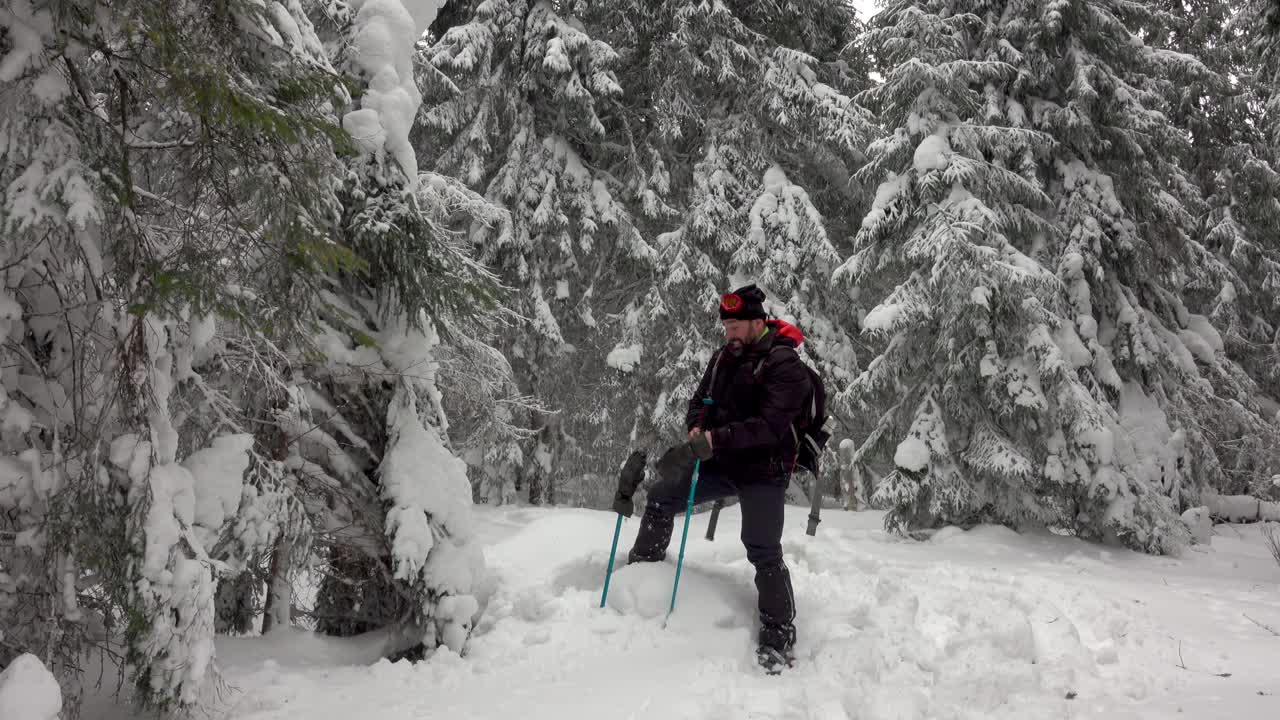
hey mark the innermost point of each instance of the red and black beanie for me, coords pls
(745, 303)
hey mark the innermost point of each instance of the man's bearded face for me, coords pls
(740, 333)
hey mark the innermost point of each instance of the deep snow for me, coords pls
(978, 624)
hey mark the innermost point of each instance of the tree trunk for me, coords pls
(851, 479)
(235, 604)
(275, 612)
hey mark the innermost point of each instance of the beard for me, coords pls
(735, 347)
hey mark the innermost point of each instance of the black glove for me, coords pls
(629, 479)
(701, 446)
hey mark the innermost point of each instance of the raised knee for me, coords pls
(661, 506)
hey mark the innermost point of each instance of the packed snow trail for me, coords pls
(979, 624)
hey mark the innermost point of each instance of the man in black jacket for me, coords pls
(741, 423)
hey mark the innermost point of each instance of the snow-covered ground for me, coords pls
(979, 624)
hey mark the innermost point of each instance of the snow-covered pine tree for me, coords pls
(371, 424)
(744, 140)
(173, 184)
(1256, 26)
(971, 387)
(1098, 365)
(487, 413)
(137, 143)
(516, 113)
(1232, 163)
(1144, 263)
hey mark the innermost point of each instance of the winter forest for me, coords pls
(291, 288)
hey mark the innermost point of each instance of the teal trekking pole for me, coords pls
(629, 479)
(608, 573)
(688, 512)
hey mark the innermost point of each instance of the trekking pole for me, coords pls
(688, 511)
(628, 480)
(715, 517)
(815, 506)
(608, 573)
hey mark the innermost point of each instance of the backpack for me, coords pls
(810, 437)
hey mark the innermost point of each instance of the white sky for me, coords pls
(866, 8)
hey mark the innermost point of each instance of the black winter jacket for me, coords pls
(752, 417)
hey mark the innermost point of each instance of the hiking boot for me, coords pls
(773, 660)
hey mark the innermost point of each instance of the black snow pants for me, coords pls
(762, 506)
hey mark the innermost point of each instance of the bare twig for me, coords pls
(1268, 628)
(159, 144)
(1273, 541)
(1183, 664)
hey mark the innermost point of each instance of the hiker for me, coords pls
(740, 424)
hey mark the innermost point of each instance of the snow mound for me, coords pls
(644, 590)
(1199, 523)
(28, 691)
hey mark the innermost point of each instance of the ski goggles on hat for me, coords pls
(730, 302)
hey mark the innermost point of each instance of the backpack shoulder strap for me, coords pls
(715, 370)
(759, 368)
(813, 379)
